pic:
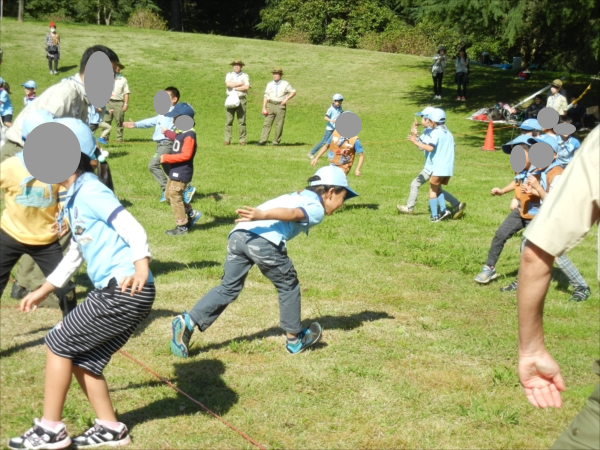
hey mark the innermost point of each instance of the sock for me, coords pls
(293, 341)
(115, 426)
(189, 322)
(49, 424)
(433, 206)
(442, 202)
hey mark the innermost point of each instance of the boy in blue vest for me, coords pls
(163, 146)
(181, 170)
(334, 111)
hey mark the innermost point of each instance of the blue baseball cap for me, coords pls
(338, 97)
(84, 135)
(530, 125)
(546, 139)
(521, 139)
(437, 115)
(425, 113)
(333, 176)
(181, 109)
(33, 119)
(30, 84)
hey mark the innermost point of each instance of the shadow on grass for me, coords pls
(17, 348)
(36, 331)
(163, 267)
(157, 313)
(66, 69)
(125, 203)
(201, 380)
(283, 144)
(353, 206)
(216, 196)
(327, 322)
(217, 221)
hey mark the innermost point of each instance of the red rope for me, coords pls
(171, 385)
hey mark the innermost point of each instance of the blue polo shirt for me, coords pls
(94, 117)
(428, 161)
(157, 122)
(91, 208)
(566, 150)
(442, 156)
(276, 231)
(6, 106)
(333, 113)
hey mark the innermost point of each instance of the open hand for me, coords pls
(541, 380)
(135, 281)
(32, 300)
(249, 214)
(496, 191)
(129, 124)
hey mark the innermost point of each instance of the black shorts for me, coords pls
(95, 330)
(7, 118)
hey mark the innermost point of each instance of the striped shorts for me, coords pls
(95, 330)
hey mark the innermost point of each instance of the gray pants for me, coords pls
(243, 251)
(512, 224)
(419, 181)
(157, 169)
(241, 115)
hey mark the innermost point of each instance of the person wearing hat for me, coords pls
(30, 92)
(181, 169)
(530, 127)
(53, 48)
(64, 99)
(437, 71)
(118, 103)
(260, 238)
(277, 93)
(238, 82)
(331, 115)
(114, 247)
(6, 106)
(556, 100)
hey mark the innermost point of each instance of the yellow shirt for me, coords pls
(30, 210)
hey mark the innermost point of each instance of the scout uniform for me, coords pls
(342, 151)
(116, 103)
(275, 93)
(240, 110)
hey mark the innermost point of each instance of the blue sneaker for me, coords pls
(193, 217)
(182, 332)
(102, 141)
(486, 275)
(189, 194)
(162, 197)
(306, 338)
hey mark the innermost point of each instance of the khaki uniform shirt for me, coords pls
(241, 77)
(121, 88)
(277, 92)
(574, 206)
(64, 99)
(557, 102)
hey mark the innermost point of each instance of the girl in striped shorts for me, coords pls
(115, 248)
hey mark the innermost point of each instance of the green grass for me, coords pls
(414, 353)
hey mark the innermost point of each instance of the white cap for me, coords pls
(333, 176)
(338, 97)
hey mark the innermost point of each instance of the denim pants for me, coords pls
(243, 251)
(326, 137)
(419, 181)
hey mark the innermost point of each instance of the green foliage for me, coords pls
(145, 18)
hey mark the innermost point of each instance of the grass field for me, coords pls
(415, 354)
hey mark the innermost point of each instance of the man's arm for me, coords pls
(126, 102)
(288, 98)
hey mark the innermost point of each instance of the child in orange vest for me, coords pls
(342, 152)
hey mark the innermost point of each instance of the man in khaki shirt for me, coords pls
(557, 101)
(562, 222)
(277, 94)
(239, 82)
(119, 102)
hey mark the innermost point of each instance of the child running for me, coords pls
(425, 174)
(260, 237)
(439, 145)
(115, 248)
(334, 111)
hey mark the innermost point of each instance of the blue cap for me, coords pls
(86, 139)
(181, 109)
(33, 119)
(546, 139)
(530, 125)
(338, 97)
(437, 115)
(30, 84)
(425, 113)
(333, 176)
(521, 139)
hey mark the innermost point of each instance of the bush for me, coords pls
(289, 34)
(370, 41)
(144, 18)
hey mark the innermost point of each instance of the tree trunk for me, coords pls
(176, 23)
(98, 15)
(21, 10)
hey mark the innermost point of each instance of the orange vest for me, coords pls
(527, 202)
(343, 155)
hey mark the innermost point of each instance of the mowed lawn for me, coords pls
(414, 353)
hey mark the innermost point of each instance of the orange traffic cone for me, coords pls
(488, 145)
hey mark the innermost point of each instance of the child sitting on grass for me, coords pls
(260, 237)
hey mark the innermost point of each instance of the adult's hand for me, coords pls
(541, 380)
(125, 108)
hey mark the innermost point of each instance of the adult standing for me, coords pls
(52, 48)
(573, 209)
(277, 93)
(437, 71)
(556, 100)
(462, 75)
(118, 103)
(238, 82)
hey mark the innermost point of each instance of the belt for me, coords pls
(114, 100)
(275, 103)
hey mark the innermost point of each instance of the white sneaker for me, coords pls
(51, 72)
(311, 156)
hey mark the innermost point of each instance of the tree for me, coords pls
(21, 10)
